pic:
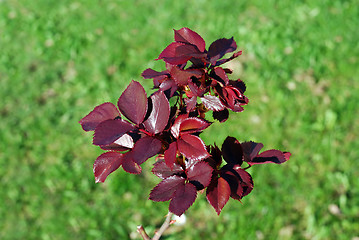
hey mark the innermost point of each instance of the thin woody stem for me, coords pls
(158, 233)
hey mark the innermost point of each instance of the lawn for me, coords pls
(59, 59)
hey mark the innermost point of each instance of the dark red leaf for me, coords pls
(212, 103)
(182, 77)
(191, 103)
(192, 125)
(192, 147)
(145, 148)
(165, 190)
(129, 165)
(183, 198)
(234, 183)
(100, 113)
(133, 102)
(186, 35)
(109, 131)
(200, 172)
(220, 47)
(232, 151)
(270, 156)
(221, 75)
(218, 194)
(169, 84)
(246, 180)
(221, 116)
(160, 113)
(105, 164)
(175, 129)
(222, 61)
(125, 142)
(172, 54)
(251, 150)
(150, 73)
(170, 155)
(162, 170)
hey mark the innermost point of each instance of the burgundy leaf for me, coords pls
(183, 198)
(192, 125)
(170, 155)
(251, 150)
(165, 190)
(162, 170)
(100, 113)
(246, 180)
(221, 75)
(220, 47)
(186, 35)
(105, 164)
(221, 116)
(145, 148)
(192, 147)
(175, 129)
(232, 151)
(133, 102)
(150, 73)
(212, 103)
(125, 142)
(176, 53)
(160, 113)
(110, 130)
(222, 61)
(190, 103)
(234, 183)
(168, 84)
(218, 194)
(182, 77)
(200, 172)
(129, 165)
(270, 156)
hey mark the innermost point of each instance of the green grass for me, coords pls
(59, 59)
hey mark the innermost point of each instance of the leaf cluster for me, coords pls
(142, 126)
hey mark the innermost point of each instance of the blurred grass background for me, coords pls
(59, 59)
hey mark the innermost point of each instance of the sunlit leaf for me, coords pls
(170, 155)
(162, 170)
(270, 156)
(100, 113)
(192, 147)
(145, 148)
(160, 113)
(133, 102)
(192, 125)
(186, 35)
(212, 103)
(200, 172)
(105, 164)
(129, 165)
(220, 47)
(251, 150)
(109, 131)
(218, 194)
(165, 190)
(183, 198)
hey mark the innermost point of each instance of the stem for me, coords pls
(158, 233)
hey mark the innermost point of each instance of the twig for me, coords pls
(158, 233)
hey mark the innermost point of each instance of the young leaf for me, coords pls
(110, 130)
(192, 147)
(218, 194)
(166, 188)
(105, 164)
(183, 198)
(100, 113)
(150, 73)
(133, 102)
(220, 75)
(175, 129)
(160, 113)
(186, 35)
(145, 148)
(182, 77)
(221, 116)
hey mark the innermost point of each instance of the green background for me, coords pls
(59, 59)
